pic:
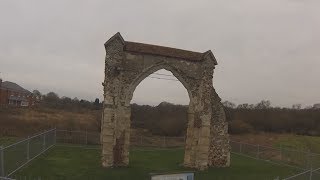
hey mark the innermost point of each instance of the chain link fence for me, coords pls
(291, 157)
(299, 159)
(5, 178)
(306, 175)
(316, 174)
(78, 137)
(93, 138)
(17, 155)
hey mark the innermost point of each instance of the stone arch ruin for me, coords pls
(126, 65)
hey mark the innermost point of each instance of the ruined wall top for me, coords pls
(142, 48)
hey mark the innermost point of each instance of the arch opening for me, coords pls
(160, 86)
(147, 72)
(159, 112)
(165, 101)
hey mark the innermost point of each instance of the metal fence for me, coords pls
(6, 178)
(17, 155)
(291, 157)
(93, 138)
(298, 159)
(306, 175)
(78, 137)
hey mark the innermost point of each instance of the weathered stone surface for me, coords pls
(126, 65)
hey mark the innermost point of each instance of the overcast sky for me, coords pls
(266, 49)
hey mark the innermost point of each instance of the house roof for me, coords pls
(14, 87)
(161, 50)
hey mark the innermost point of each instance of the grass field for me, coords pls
(4, 141)
(80, 163)
(306, 143)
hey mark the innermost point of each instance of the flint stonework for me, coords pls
(126, 65)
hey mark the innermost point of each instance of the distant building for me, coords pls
(14, 95)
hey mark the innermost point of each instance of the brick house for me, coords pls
(14, 95)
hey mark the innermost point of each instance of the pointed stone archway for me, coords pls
(126, 65)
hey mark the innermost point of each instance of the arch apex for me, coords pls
(115, 36)
(211, 56)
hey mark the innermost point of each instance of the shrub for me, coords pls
(239, 127)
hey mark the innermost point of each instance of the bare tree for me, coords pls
(296, 106)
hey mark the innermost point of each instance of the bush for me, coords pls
(240, 127)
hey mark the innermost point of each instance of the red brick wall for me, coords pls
(6, 93)
(3, 96)
(31, 100)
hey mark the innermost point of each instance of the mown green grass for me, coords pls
(5, 141)
(80, 163)
(304, 149)
(305, 143)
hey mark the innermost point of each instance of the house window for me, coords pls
(24, 103)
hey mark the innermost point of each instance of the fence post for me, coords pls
(258, 154)
(164, 141)
(240, 147)
(86, 137)
(281, 153)
(1, 162)
(140, 140)
(65, 137)
(44, 140)
(310, 160)
(311, 164)
(55, 135)
(28, 149)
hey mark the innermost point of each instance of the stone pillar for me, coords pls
(121, 149)
(198, 133)
(197, 142)
(189, 151)
(203, 148)
(219, 155)
(115, 136)
(107, 135)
